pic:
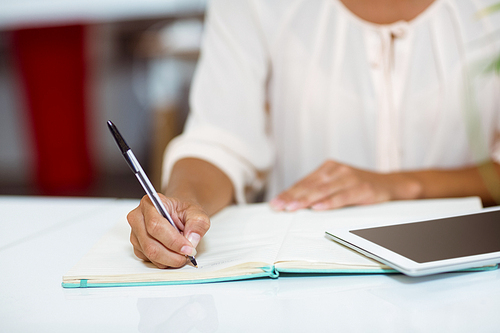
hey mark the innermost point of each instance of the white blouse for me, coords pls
(283, 85)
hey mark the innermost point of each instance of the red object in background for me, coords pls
(52, 67)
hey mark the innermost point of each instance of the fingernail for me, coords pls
(292, 206)
(277, 204)
(320, 206)
(194, 238)
(188, 250)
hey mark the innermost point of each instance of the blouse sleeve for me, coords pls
(227, 121)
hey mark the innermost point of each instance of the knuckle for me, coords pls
(327, 167)
(151, 252)
(132, 217)
(344, 169)
(325, 177)
(154, 225)
(133, 240)
(144, 199)
(203, 223)
(143, 203)
(198, 217)
(328, 164)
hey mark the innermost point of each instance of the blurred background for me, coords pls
(66, 67)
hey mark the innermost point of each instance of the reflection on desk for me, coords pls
(33, 299)
(179, 314)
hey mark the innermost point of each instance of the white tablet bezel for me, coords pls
(405, 265)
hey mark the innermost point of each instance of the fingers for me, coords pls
(361, 194)
(193, 219)
(158, 228)
(156, 240)
(138, 251)
(328, 179)
(146, 246)
(333, 185)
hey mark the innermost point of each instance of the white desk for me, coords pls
(41, 238)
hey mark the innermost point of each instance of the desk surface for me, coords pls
(41, 238)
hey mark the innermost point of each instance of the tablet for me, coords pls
(426, 247)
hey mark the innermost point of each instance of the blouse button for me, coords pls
(399, 29)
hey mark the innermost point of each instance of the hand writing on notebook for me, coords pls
(335, 185)
(196, 190)
(155, 240)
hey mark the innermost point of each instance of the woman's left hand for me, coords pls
(335, 185)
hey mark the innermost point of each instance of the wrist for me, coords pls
(406, 187)
(183, 195)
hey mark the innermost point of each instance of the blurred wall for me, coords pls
(14, 145)
(138, 76)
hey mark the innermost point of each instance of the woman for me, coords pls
(325, 104)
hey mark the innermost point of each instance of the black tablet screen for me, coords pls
(439, 239)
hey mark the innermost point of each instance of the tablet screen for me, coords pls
(439, 239)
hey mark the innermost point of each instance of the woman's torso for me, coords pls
(380, 97)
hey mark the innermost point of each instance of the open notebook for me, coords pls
(254, 241)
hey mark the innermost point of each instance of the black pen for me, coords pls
(143, 179)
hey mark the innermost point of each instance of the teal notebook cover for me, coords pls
(267, 272)
(270, 272)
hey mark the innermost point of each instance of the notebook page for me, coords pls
(238, 235)
(306, 239)
(250, 233)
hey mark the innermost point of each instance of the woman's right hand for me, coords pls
(155, 240)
